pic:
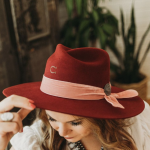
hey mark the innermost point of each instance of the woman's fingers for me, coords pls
(16, 118)
(9, 128)
(15, 101)
(6, 127)
(11, 102)
(23, 113)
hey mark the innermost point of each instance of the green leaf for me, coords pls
(122, 26)
(145, 54)
(84, 25)
(115, 68)
(102, 37)
(84, 38)
(141, 42)
(113, 22)
(69, 5)
(111, 44)
(95, 16)
(108, 18)
(108, 28)
(78, 6)
(130, 45)
(84, 8)
(95, 3)
(132, 33)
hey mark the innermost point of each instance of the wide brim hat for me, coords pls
(72, 71)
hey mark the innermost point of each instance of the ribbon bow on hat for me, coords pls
(111, 97)
(84, 92)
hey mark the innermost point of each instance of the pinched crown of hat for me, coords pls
(82, 65)
(77, 81)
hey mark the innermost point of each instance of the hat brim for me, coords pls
(89, 108)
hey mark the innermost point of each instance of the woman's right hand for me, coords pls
(8, 129)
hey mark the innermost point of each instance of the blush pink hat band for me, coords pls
(82, 92)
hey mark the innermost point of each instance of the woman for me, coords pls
(79, 109)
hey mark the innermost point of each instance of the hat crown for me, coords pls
(86, 65)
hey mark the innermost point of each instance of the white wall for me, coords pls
(142, 19)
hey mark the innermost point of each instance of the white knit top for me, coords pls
(31, 137)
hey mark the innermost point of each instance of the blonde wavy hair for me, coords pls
(111, 133)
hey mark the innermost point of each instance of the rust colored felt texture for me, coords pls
(89, 66)
(82, 65)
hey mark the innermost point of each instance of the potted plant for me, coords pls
(127, 73)
(87, 22)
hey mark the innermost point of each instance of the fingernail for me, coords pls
(32, 106)
(31, 101)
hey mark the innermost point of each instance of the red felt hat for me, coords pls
(77, 81)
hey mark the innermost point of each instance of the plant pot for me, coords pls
(140, 87)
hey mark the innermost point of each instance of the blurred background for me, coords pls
(31, 29)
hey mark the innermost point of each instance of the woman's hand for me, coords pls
(8, 129)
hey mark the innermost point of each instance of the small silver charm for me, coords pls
(107, 89)
(7, 116)
(72, 145)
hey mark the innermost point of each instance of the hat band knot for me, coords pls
(77, 91)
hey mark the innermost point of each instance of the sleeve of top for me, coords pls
(140, 130)
(29, 139)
